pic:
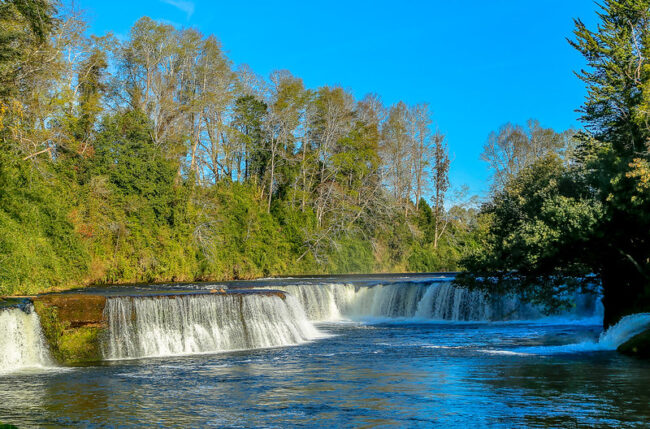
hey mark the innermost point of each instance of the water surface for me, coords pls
(366, 374)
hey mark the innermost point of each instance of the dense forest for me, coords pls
(155, 158)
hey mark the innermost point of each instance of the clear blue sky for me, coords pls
(479, 63)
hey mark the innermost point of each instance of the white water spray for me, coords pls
(181, 325)
(611, 339)
(22, 345)
(624, 330)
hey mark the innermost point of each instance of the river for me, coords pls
(374, 358)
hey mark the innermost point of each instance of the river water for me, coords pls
(360, 370)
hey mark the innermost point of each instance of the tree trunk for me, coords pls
(268, 208)
(625, 291)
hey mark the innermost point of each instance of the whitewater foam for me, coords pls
(22, 345)
(196, 324)
(611, 339)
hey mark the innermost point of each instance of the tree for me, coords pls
(514, 147)
(617, 116)
(420, 118)
(440, 180)
(539, 236)
(214, 96)
(395, 149)
(285, 113)
(330, 122)
(248, 120)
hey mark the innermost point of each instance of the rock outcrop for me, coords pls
(639, 345)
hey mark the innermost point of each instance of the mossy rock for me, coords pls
(639, 345)
(73, 326)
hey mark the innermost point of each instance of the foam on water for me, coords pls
(192, 324)
(611, 339)
(22, 345)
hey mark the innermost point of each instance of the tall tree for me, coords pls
(440, 184)
(248, 122)
(395, 149)
(286, 111)
(420, 118)
(512, 148)
(331, 121)
(616, 113)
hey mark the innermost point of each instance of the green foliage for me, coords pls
(24, 26)
(38, 246)
(248, 122)
(67, 344)
(351, 256)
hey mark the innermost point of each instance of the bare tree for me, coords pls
(395, 150)
(514, 147)
(421, 138)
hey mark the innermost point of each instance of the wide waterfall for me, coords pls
(189, 324)
(431, 300)
(22, 344)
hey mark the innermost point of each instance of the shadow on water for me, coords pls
(587, 389)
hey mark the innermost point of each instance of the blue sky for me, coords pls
(478, 63)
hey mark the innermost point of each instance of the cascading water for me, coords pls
(22, 345)
(616, 335)
(625, 329)
(164, 326)
(418, 300)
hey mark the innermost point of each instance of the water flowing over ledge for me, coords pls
(22, 345)
(611, 339)
(167, 326)
(433, 300)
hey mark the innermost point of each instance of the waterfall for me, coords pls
(438, 300)
(616, 335)
(22, 344)
(321, 302)
(180, 325)
(624, 330)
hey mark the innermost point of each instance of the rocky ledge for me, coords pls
(638, 346)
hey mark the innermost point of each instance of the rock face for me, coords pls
(639, 345)
(73, 325)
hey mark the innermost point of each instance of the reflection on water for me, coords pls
(381, 375)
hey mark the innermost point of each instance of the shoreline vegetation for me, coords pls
(155, 158)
